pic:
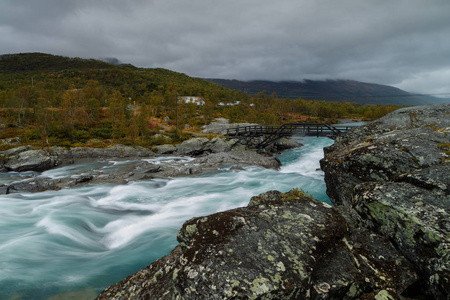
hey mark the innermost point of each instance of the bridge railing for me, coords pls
(271, 133)
(286, 129)
(252, 130)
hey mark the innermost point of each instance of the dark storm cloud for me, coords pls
(403, 43)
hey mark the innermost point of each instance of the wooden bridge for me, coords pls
(271, 133)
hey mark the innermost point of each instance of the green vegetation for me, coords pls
(295, 194)
(55, 100)
(445, 147)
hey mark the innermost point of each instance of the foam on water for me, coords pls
(95, 235)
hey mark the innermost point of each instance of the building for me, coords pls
(192, 99)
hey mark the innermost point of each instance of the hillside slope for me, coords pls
(59, 72)
(332, 90)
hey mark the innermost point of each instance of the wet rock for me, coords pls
(186, 170)
(84, 178)
(31, 160)
(217, 145)
(193, 147)
(4, 189)
(246, 158)
(285, 144)
(115, 151)
(272, 249)
(164, 149)
(199, 146)
(154, 169)
(33, 185)
(14, 151)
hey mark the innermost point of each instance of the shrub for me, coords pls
(103, 133)
(296, 193)
(33, 135)
(79, 136)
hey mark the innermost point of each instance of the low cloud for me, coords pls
(402, 43)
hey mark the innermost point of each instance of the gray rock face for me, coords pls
(198, 146)
(164, 149)
(32, 186)
(31, 160)
(395, 173)
(22, 159)
(248, 158)
(116, 151)
(278, 247)
(192, 147)
(285, 143)
(14, 151)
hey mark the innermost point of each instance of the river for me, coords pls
(89, 237)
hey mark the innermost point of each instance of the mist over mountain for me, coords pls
(332, 90)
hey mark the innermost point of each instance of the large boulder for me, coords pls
(238, 157)
(395, 173)
(217, 145)
(33, 185)
(31, 160)
(278, 247)
(201, 145)
(164, 149)
(194, 146)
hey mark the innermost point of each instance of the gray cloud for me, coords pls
(402, 43)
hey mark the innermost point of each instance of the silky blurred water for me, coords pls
(90, 237)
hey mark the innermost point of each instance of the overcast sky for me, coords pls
(404, 43)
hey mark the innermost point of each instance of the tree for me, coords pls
(118, 114)
(70, 103)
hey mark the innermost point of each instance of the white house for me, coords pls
(192, 99)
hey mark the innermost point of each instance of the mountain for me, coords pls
(53, 72)
(332, 90)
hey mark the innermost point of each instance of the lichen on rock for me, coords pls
(387, 237)
(272, 249)
(395, 174)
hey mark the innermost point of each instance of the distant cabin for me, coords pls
(192, 99)
(231, 104)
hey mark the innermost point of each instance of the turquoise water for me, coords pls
(93, 236)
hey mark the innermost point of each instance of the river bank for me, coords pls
(387, 237)
(201, 155)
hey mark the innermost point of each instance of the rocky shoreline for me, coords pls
(387, 237)
(203, 155)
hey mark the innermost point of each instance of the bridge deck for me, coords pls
(274, 132)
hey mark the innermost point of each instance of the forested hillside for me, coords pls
(54, 100)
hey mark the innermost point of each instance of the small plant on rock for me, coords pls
(296, 193)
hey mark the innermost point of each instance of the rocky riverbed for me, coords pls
(198, 155)
(387, 237)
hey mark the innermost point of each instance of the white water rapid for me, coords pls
(93, 236)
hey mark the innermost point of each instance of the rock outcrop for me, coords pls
(22, 158)
(395, 173)
(198, 146)
(278, 247)
(386, 238)
(31, 160)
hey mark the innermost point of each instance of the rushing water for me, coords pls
(95, 235)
